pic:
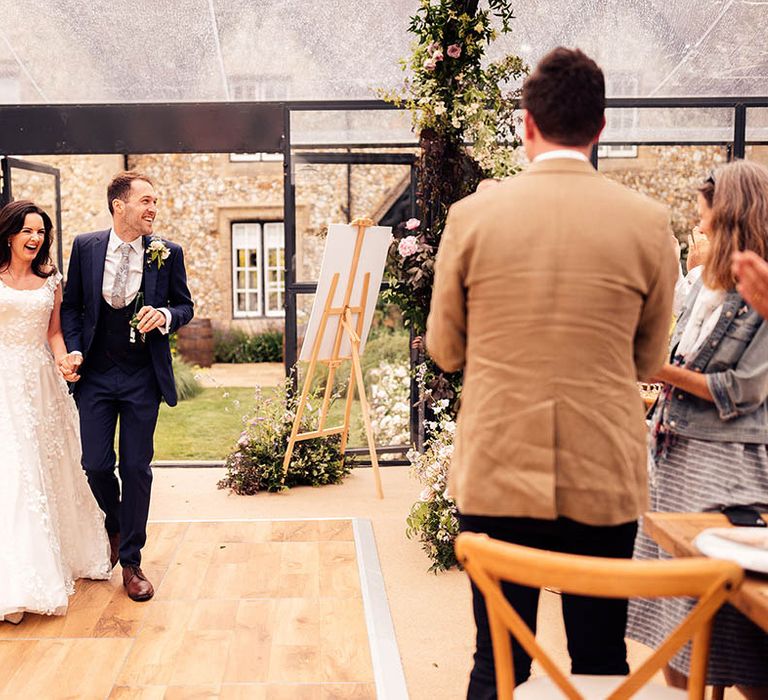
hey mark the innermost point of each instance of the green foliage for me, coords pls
(455, 97)
(451, 90)
(383, 346)
(187, 386)
(432, 519)
(203, 428)
(426, 521)
(235, 345)
(256, 464)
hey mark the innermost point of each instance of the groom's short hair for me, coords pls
(120, 186)
(565, 95)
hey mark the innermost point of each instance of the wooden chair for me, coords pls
(489, 562)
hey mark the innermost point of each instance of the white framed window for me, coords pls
(621, 150)
(258, 88)
(258, 269)
(622, 84)
(255, 157)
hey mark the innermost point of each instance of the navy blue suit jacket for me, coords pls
(163, 287)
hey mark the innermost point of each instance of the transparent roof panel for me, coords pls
(59, 51)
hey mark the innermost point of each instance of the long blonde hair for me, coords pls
(739, 219)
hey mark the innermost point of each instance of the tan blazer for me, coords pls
(553, 290)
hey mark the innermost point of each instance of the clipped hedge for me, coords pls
(238, 346)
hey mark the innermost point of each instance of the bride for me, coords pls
(51, 529)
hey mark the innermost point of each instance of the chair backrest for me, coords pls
(489, 562)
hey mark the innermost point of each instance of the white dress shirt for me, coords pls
(135, 273)
(561, 153)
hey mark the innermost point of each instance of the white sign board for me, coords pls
(339, 251)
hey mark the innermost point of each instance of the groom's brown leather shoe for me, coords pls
(136, 585)
(114, 549)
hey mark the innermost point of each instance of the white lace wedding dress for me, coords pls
(51, 529)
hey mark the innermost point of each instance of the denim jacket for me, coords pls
(735, 359)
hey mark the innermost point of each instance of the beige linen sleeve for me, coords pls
(447, 322)
(655, 322)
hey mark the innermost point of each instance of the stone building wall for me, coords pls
(83, 192)
(201, 195)
(669, 174)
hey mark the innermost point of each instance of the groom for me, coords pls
(126, 369)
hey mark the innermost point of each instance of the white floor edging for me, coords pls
(385, 655)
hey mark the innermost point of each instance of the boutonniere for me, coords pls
(157, 252)
(742, 310)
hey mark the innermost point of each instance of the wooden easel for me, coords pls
(345, 325)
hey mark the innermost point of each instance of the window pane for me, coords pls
(253, 259)
(240, 279)
(274, 302)
(241, 258)
(241, 302)
(253, 280)
(253, 301)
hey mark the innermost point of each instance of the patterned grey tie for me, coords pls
(121, 277)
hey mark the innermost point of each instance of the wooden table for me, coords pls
(675, 533)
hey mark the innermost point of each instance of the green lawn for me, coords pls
(207, 427)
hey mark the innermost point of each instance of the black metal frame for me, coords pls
(6, 194)
(259, 127)
(294, 287)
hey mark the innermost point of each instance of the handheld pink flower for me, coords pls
(454, 51)
(412, 224)
(408, 246)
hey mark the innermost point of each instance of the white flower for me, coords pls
(440, 109)
(157, 252)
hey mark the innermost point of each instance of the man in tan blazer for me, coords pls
(553, 292)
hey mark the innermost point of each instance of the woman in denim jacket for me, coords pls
(710, 426)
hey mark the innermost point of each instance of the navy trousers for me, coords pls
(102, 398)
(595, 627)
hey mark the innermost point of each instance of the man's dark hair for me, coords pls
(121, 186)
(565, 95)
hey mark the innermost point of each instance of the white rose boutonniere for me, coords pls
(158, 252)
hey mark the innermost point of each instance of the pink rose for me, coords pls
(430, 64)
(412, 224)
(437, 56)
(454, 50)
(408, 246)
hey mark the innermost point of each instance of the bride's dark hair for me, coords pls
(12, 218)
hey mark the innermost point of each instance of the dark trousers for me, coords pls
(594, 626)
(133, 397)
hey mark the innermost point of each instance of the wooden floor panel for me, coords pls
(243, 610)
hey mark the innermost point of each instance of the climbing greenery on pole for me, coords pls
(462, 107)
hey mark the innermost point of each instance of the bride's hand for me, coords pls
(68, 365)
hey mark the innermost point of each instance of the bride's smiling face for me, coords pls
(27, 243)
